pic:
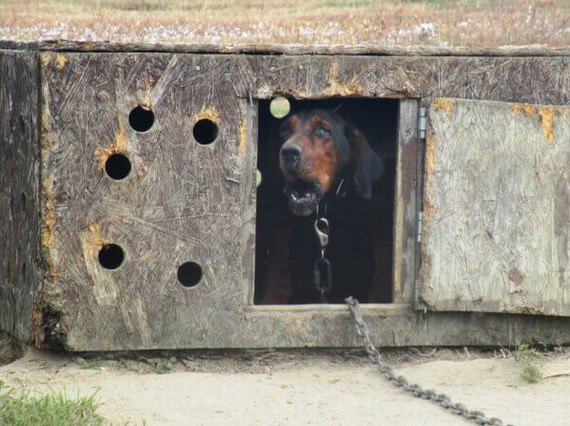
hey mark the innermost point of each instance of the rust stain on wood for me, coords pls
(547, 115)
(338, 88)
(208, 113)
(44, 137)
(429, 210)
(429, 207)
(143, 100)
(48, 226)
(527, 109)
(46, 58)
(146, 102)
(429, 167)
(121, 138)
(243, 138)
(443, 104)
(430, 156)
(48, 215)
(93, 240)
(37, 331)
(60, 60)
(118, 145)
(405, 90)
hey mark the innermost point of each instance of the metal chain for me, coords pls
(438, 398)
(322, 265)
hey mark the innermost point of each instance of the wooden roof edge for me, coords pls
(282, 49)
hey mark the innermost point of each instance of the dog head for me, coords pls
(318, 147)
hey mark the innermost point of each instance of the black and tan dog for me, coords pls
(322, 160)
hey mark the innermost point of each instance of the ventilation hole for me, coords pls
(189, 274)
(24, 272)
(118, 166)
(205, 131)
(141, 119)
(23, 200)
(111, 256)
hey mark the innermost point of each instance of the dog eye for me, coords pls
(322, 133)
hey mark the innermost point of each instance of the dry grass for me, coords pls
(487, 23)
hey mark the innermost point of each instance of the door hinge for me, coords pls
(422, 123)
(419, 227)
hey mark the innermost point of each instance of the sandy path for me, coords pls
(300, 388)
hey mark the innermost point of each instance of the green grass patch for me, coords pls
(92, 365)
(55, 409)
(531, 373)
(163, 366)
(526, 355)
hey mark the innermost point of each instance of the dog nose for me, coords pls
(291, 154)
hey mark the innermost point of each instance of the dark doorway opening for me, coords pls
(361, 231)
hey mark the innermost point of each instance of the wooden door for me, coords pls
(496, 219)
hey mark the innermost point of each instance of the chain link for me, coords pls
(322, 265)
(400, 381)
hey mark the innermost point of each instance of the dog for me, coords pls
(325, 164)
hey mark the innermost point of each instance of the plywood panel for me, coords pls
(497, 208)
(181, 202)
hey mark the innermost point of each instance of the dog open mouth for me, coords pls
(303, 196)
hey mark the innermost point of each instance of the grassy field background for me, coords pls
(487, 23)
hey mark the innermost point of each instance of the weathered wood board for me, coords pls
(20, 263)
(284, 49)
(497, 208)
(406, 202)
(188, 202)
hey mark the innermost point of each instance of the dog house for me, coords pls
(129, 204)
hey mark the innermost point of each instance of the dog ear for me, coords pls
(369, 166)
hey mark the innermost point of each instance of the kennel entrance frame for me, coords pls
(394, 140)
(83, 310)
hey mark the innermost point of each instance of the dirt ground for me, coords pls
(301, 387)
